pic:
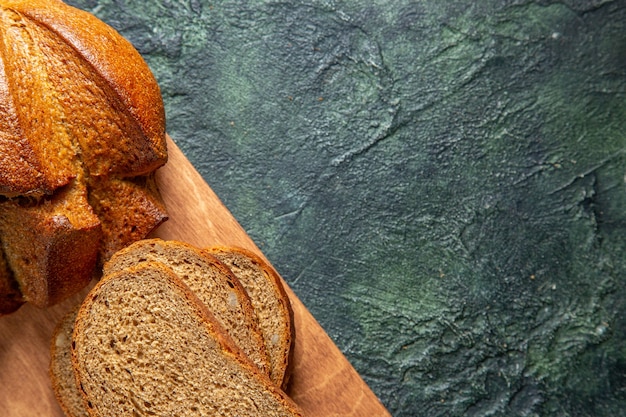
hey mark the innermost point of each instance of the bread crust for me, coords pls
(79, 110)
(115, 60)
(129, 210)
(51, 248)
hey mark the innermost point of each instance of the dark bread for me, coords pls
(143, 343)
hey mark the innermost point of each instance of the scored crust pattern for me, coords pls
(82, 130)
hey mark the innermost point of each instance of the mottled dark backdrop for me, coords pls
(441, 182)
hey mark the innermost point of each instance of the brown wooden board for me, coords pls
(323, 382)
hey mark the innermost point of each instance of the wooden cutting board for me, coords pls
(323, 382)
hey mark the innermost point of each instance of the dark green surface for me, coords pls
(441, 182)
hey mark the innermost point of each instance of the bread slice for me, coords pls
(270, 303)
(213, 283)
(144, 344)
(61, 371)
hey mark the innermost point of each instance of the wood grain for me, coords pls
(323, 382)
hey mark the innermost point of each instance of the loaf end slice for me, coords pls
(271, 304)
(144, 344)
(61, 371)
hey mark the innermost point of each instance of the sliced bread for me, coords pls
(61, 372)
(213, 283)
(270, 303)
(144, 344)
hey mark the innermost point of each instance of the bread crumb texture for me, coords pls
(270, 303)
(145, 345)
(211, 281)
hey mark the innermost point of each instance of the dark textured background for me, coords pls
(441, 182)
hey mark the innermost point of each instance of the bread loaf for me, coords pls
(51, 247)
(144, 344)
(270, 303)
(128, 210)
(211, 281)
(82, 129)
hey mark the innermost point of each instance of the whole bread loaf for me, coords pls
(144, 344)
(82, 130)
